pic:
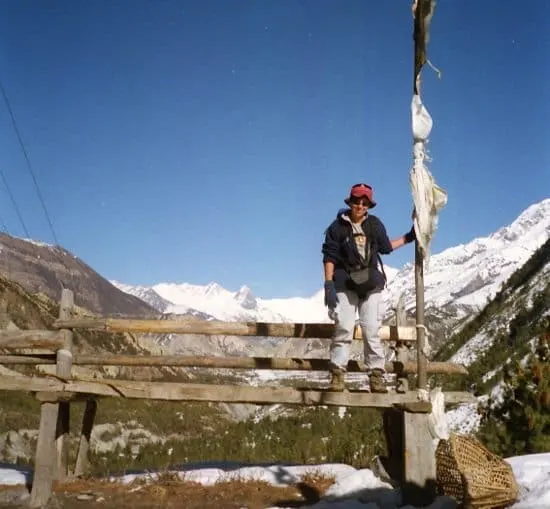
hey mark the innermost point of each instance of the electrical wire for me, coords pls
(29, 166)
(14, 203)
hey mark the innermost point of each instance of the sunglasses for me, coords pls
(360, 201)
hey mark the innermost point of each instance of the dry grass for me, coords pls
(171, 492)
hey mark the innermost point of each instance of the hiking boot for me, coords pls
(377, 382)
(362, 367)
(337, 382)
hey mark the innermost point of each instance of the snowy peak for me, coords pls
(213, 290)
(144, 293)
(245, 298)
(211, 300)
(531, 222)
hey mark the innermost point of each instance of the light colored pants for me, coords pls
(370, 320)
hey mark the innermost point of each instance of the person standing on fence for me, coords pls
(354, 281)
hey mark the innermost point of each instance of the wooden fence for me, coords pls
(56, 392)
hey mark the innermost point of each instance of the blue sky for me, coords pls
(214, 140)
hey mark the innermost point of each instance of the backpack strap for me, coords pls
(370, 222)
(382, 269)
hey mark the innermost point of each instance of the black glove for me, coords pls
(410, 236)
(331, 299)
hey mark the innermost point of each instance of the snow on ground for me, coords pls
(352, 489)
(532, 473)
(11, 475)
(464, 419)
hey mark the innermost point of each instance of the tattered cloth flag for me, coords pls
(427, 196)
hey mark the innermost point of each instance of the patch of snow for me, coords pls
(352, 488)
(11, 475)
(37, 242)
(532, 473)
(464, 419)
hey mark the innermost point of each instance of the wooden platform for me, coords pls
(172, 391)
(260, 329)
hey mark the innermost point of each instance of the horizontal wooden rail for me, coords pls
(171, 391)
(27, 359)
(18, 339)
(287, 330)
(275, 363)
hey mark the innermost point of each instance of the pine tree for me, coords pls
(520, 424)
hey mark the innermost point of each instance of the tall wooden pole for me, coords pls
(419, 460)
(420, 331)
(422, 17)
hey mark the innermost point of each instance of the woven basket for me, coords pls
(474, 476)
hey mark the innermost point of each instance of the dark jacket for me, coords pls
(340, 249)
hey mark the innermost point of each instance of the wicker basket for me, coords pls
(474, 476)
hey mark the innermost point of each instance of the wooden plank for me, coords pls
(260, 329)
(82, 459)
(419, 460)
(272, 363)
(17, 339)
(26, 359)
(4, 316)
(416, 407)
(392, 333)
(43, 463)
(29, 383)
(173, 391)
(56, 397)
(63, 370)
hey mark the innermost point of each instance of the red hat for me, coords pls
(361, 191)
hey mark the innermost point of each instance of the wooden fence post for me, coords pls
(4, 317)
(419, 459)
(82, 459)
(51, 454)
(44, 460)
(401, 350)
(63, 370)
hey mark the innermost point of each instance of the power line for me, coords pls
(29, 167)
(14, 203)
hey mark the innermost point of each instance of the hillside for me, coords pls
(42, 268)
(507, 325)
(503, 335)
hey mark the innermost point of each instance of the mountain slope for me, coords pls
(519, 313)
(504, 333)
(40, 267)
(461, 280)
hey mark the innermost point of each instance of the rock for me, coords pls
(85, 496)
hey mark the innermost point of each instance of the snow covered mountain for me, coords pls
(146, 294)
(458, 282)
(470, 274)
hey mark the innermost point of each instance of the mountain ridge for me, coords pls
(43, 268)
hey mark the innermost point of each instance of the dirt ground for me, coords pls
(172, 493)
